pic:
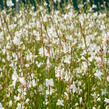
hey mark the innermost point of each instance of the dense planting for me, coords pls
(54, 61)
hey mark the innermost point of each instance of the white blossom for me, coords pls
(16, 41)
(80, 100)
(49, 82)
(1, 107)
(10, 3)
(22, 81)
(73, 87)
(108, 78)
(10, 103)
(106, 100)
(98, 74)
(19, 106)
(60, 102)
(14, 78)
(43, 52)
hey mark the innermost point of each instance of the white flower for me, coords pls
(1, 35)
(10, 103)
(40, 88)
(108, 78)
(1, 107)
(67, 96)
(46, 101)
(16, 41)
(22, 81)
(84, 66)
(29, 57)
(4, 50)
(40, 7)
(19, 106)
(107, 107)
(27, 65)
(17, 98)
(55, 1)
(34, 83)
(67, 59)
(80, 100)
(59, 72)
(73, 87)
(10, 3)
(98, 74)
(102, 27)
(27, 100)
(14, 78)
(93, 108)
(48, 63)
(106, 100)
(94, 6)
(98, 99)
(67, 77)
(104, 92)
(43, 51)
(60, 102)
(49, 82)
(45, 4)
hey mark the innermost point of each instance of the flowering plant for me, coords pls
(51, 60)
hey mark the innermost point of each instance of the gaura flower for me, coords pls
(22, 81)
(10, 3)
(98, 74)
(60, 102)
(49, 82)
(106, 100)
(1, 107)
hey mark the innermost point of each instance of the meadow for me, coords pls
(54, 60)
